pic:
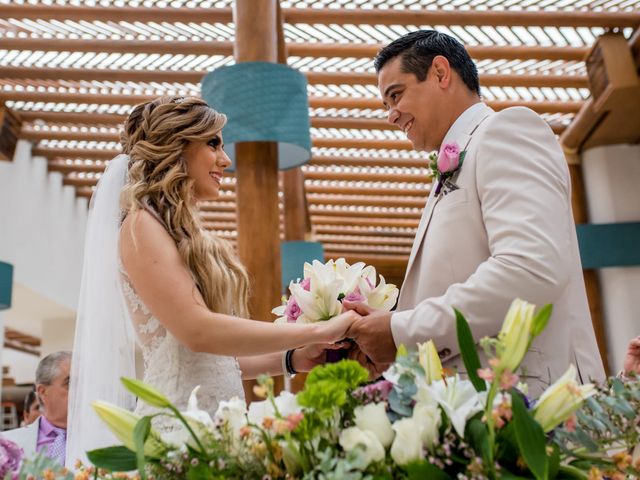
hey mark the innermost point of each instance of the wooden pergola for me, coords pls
(70, 74)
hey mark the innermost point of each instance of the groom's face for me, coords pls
(413, 106)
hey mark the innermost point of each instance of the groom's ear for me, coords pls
(441, 70)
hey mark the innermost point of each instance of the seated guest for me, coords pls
(49, 431)
(632, 358)
(31, 410)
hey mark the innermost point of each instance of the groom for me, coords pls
(499, 228)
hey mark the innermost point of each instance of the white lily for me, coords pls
(383, 296)
(349, 274)
(560, 400)
(320, 302)
(234, 413)
(430, 361)
(286, 402)
(459, 400)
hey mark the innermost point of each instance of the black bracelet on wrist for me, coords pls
(288, 362)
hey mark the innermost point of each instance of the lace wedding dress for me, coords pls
(173, 369)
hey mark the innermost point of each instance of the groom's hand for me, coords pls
(372, 333)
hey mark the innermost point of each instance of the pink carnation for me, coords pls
(449, 157)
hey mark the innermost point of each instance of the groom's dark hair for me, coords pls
(417, 50)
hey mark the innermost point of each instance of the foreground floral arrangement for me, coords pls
(415, 423)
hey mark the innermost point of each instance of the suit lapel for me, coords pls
(462, 139)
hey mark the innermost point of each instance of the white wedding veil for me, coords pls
(104, 344)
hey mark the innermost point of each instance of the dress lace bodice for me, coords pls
(173, 369)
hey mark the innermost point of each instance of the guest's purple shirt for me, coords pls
(46, 434)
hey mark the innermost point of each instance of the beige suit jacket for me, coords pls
(507, 232)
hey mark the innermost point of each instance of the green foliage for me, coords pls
(323, 395)
(468, 352)
(116, 459)
(423, 469)
(33, 468)
(530, 437)
(348, 372)
(140, 434)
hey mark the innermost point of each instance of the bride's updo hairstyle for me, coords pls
(154, 137)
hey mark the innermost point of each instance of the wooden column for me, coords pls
(257, 168)
(591, 280)
(257, 171)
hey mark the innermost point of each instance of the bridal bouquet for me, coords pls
(319, 295)
(418, 422)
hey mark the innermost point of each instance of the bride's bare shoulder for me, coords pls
(142, 231)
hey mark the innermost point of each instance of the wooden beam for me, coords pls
(429, 17)
(364, 222)
(519, 52)
(368, 176)
(116, 14)
(314, 78)
(341, 212)
(368, 200)
(174, 47)
(307, 49)
(364, 240)
(99, 119)
(409, 233)
(546, 106)
(423, 17)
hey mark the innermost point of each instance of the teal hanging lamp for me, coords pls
(6, 285)
(263, 102)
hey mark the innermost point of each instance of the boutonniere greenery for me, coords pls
(446, 162)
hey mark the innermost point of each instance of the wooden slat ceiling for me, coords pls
(73, 69)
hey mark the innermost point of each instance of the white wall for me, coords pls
(611, 178)
(42, 226)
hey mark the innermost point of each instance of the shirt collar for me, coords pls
(465, 122)
(46, 427)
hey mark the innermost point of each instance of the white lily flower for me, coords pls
(560, 400)
(350, 274)
(383, 296)
(286, 402)
(459, 400)
(234, 413)
(320, 302)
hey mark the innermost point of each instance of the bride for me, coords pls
(154, 277)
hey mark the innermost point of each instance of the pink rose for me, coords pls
(355, 296)
(449, 157)
(292, 310)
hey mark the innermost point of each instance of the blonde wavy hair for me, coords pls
(155, 135)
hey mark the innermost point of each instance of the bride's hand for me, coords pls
(309, 356)
(334, 330)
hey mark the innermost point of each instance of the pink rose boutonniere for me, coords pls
(446, 162)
